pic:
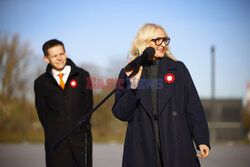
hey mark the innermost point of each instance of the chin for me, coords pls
(58, 68)
(159, 56)
(61, 66)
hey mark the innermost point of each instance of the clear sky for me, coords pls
(101, 31)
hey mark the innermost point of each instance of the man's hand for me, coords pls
(204, 151)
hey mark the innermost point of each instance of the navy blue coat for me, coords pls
(181, 119)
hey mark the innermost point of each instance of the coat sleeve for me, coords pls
(126, 101)
(40, 104)
(195, 113)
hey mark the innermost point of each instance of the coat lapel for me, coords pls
(144, 95)
(167, 67)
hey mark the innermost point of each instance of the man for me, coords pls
(61, 99)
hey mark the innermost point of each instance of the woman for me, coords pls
(162, 108)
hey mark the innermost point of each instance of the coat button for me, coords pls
(174, 113)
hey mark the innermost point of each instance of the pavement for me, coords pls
(110, 155)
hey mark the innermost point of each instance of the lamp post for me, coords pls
(213, 111)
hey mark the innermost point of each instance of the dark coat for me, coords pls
(181, 119)
(59, 110)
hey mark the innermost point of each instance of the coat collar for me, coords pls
(167, 66)
(68, 62)
(73, 71)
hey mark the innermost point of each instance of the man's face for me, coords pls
(56, 57)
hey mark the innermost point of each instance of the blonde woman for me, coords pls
(162, 108)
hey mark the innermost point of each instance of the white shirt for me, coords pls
(65, 72)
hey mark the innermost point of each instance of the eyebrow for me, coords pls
(158, 37)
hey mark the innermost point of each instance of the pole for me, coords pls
(213, 111)
(81, 120)
(88, 115)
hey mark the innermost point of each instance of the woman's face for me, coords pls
(159, 50)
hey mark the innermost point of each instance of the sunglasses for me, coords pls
(158, 41)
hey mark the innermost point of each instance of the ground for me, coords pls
(110, 155)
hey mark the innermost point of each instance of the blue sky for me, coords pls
(100, 32)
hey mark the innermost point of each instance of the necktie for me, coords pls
(62, 84)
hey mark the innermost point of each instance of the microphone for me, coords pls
(139, 61)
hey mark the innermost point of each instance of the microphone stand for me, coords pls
(81, 120)
(85, 117)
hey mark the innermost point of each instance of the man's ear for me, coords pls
(46, 59)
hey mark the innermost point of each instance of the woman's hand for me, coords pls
(134, 80)
(204, 151)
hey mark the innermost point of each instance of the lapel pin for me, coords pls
(169, 78)
(73, 83)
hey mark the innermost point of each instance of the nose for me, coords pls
(163, 44)
(59, 57)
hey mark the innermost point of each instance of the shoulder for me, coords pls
(181, 65)
(76, 68)
(39, 82)
(82, 71)
(175, 64)
(41, 78)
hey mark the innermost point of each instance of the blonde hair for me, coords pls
(143, 36)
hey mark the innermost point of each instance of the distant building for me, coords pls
(227, 118)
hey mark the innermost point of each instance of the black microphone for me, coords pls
(139, 61)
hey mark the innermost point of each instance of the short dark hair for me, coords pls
(51, 43)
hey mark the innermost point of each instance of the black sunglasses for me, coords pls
(158, 41)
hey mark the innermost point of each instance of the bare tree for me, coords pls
(13, 63)
(16, 112)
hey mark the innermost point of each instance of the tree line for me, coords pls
(18, 119)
